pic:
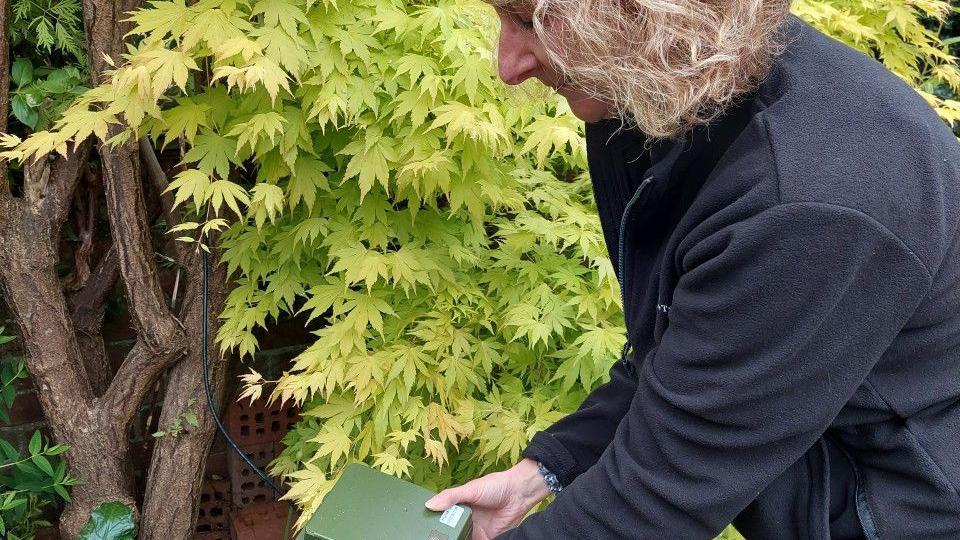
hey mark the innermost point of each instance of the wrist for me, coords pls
(533, 489)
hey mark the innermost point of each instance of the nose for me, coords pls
(515, 58)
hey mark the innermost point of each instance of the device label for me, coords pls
(451, 516)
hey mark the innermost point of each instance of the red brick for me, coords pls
(258, 422)
(217, 465)
(26, 409)
(246, 485)
(213, 509)
(263, 521)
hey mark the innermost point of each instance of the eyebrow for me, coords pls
(520, 9)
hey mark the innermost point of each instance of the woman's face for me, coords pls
(521, 55)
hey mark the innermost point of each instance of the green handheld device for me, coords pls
(367, 504)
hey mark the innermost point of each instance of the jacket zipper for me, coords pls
(621, 258)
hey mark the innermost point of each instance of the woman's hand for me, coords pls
(498, 500)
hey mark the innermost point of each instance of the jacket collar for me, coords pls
(705, 144)
(673, 160)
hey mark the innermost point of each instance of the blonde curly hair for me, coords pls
(663, 66)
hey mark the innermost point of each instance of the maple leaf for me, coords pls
(392, 464)
(162, 18)
(266, 203)
(222, 192)
(213, 153)
(309, 176)
(280, 13)
(334, 443)
(370, 163)
(265, 124)
(185, 118)
(366, 310)
(189, 183)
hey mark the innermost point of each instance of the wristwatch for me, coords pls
(549, 478)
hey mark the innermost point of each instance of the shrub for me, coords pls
(436, 226)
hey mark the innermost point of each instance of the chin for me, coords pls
(589, 110)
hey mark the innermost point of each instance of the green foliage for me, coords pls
(30, 482)
(437, 228)
(385, 189)
(12, 369)
(729, 533)
(110, 521)
(40, 95)
(177, 427)
(50, 27)
(49, 59)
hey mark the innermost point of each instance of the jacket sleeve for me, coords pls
(776, 319)
(574, 443)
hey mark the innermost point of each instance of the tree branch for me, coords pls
(169, 477)
(87, 307)
(33, 292)
(160, 338)
(50, 182)
(158, 180)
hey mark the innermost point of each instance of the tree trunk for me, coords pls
(33, 292)
(176, 470)
(98, 456)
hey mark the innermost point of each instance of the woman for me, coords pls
(783, 215)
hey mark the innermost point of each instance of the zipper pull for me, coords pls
(623, 359)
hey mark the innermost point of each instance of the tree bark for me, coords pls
(35, 296)
(176, 469)
(63, 340)
(87, 308)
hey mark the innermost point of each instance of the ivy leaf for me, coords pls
(109, 521)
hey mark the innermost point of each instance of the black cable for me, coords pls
(206, 381)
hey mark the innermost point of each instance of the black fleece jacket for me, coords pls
(791, 281)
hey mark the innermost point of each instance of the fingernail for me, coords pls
(430, 502)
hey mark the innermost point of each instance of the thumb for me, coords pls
(467, 493)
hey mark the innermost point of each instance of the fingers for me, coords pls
(467, 493)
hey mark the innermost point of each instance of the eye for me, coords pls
(522, 20)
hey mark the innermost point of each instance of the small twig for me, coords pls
(176, 286)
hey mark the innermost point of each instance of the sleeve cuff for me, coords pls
(546, 449)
